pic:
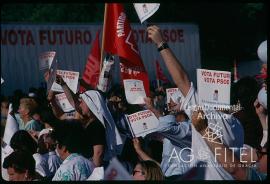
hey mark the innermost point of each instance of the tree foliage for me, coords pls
(227, 30)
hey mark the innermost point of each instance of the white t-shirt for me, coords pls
(232, 136)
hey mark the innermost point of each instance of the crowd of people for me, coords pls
(53, 145)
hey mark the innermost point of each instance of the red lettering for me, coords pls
(69, 39)
(165, 35)
(13, 34)
(180, 35)
(60, 33)
(52, 37)
(78, 36)
(87, 37)
(42, 36)
(222, 81)
(22, 32)
(30, 39)
(4, 37)
(173, 35)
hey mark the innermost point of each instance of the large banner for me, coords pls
(22, 44)
(214, 87)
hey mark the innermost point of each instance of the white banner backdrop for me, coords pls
(21, 44)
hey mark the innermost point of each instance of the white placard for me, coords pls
(70, 77)
(214, 87)
(115, 171)
(45, 60)
(143, 123)
(170, 92)
(97, 174)
(134, 91)
(145, 10)
(11, 126)
(63, 102)
(2, 80)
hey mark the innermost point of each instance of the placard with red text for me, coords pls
(70, 77)
(214, 87)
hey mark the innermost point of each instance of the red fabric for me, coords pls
(160, 75)
(119, 40)
(129, 72)
(235, 73)
(92, 67)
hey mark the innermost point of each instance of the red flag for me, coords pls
(160, 75)
(92, 67)
(119, 40)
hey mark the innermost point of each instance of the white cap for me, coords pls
(262, 97)
(44, 131)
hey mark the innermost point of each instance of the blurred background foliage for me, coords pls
(228, 31)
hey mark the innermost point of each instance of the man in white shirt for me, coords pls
(231, 129)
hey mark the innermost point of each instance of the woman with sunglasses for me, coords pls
(147, 170)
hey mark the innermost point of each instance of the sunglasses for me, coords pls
(134, 172)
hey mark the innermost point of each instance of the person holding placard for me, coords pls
(94, 128)
(230, 127)
(104, 138)
(177, 139)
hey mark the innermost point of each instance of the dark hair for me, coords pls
(23, 141)
(71, 134)
(46, 138)
(47, 116)
(182, 113)
(246, 91)
(20, 161)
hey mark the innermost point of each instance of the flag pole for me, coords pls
(103, 36)
(158, 83)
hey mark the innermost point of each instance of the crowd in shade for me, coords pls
(49, 144)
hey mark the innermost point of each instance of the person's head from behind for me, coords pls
(245, 91)
(22, 140)
(181, 116)
(69, 138)
(46, 143)
(117, 98)
(147, 170)
(20, 166)
(27, 107)
(47, 117)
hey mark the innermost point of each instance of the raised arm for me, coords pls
(150, 106)
(225, 156)
(140, 152)
(72, 98)
(175, 68)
